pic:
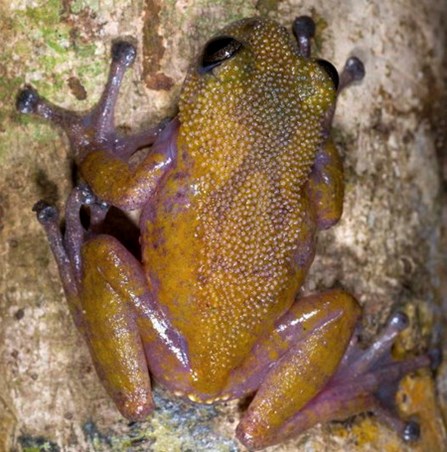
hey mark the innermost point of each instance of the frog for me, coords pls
(231, 195)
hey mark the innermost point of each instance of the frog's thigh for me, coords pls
(309, 343)
(111, 277)
(326, 185)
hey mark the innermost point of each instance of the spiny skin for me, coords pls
(235, 224)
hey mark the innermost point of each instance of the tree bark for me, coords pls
(389, 250)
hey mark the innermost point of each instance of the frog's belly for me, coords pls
(225, 279)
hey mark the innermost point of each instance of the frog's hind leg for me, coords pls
(126, 329)
(98, 310)
(66, 247)
(111, 303)
(289, 366)
(110, 278)
(367, 380)
(302, 378)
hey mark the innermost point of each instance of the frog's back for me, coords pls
(231, 235)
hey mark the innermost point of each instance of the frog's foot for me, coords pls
(367, 380)
(289, 398)
(66, 247)
(95, 129)
(85, 261)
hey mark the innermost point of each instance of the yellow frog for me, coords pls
(232, 193)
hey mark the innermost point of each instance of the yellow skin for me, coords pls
(229, 235)
(233, 258)
(232, 193)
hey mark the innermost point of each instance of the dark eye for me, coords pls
(330, 70)
(217, 51)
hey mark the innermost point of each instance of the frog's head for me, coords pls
(256, 60)
(255, 91)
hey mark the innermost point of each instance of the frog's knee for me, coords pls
(335, 304)
(344, 301)
(247, 434)
(135, 405)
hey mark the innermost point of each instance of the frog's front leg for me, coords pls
(100, 150)
(309, 369)
(112, 305)
(325, 186)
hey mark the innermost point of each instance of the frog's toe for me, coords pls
(355, 67)
(46, 213)
(304, 30)
(86, 196)
(27, 100)
(368, 379)
(353, 71)
(411, 432)
(123, 52)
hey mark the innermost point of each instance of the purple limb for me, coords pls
(379, 349)
(95, 129)
(75, 234)
(48, 217)
(353, 71)
(304, 30)
(66, 248)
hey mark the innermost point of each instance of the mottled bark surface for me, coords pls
(389, 249)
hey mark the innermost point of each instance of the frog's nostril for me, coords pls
(123, 52)
(27, 100)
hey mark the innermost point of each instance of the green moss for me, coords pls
(37, 444)
(78, 5)
(42, 55)
(87, 51)
(48, 13)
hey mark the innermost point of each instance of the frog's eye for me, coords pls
(217, 51)
(330, 70)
